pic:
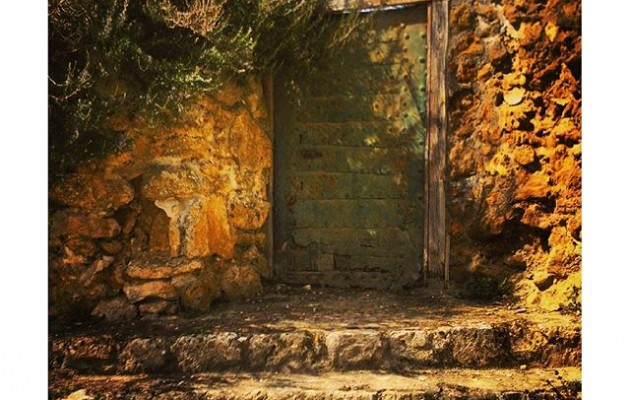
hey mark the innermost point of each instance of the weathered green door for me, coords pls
(349, 162)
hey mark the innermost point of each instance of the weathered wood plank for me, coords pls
(341, 5)
(267, 84)
(425, 237)
(436, 138)
(375, 139)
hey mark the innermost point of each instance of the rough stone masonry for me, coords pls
(173, 222)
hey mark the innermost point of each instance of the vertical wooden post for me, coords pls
(267, 83)
(436, 139)
(429, 88)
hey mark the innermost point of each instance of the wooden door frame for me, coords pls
(436, 237)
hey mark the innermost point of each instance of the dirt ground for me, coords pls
(286, 308)
(433, 384)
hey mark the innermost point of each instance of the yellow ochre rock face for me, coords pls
(181, 194)
(515, 146)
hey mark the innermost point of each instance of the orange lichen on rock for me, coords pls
(516, 128)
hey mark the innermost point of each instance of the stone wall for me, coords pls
(515, 146)
(172, 223)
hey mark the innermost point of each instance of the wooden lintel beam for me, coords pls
(342, 5)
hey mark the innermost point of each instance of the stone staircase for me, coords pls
(296, 343)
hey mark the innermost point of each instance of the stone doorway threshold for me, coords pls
(294, 341)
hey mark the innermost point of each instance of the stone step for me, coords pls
(505, 384)
(476, 345)
(298, 330)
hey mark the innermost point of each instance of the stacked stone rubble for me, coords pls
(172, 223)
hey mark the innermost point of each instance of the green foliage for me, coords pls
(150, 58)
